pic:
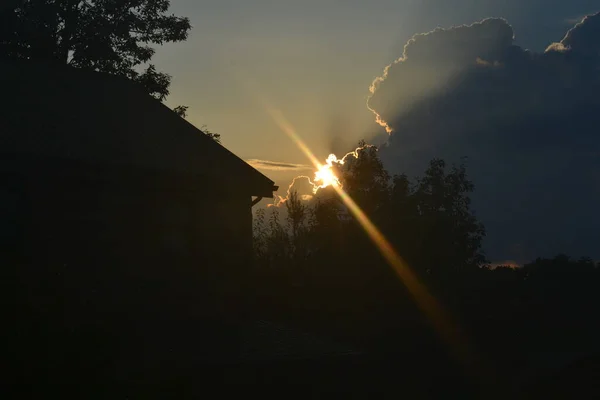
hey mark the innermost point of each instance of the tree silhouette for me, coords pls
(429, 220)
(214, 136)
(296, 213)
(558, 266)
(260, 233)
(348, 289)
(278, 241)
(365, 179)
(296, 219)
(182, 112)
(326, 228)
(450, 234)
(112, 36)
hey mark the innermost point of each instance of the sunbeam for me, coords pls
(443, 324)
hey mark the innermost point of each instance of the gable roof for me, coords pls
(62, 112)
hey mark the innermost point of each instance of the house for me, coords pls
(115, 213)
(105, 173)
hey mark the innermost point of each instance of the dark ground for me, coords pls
(125, 345)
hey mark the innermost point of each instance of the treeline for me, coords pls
(315, 263)
(428, 220)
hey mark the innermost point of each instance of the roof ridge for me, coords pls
(67, 112)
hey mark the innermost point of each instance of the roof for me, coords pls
(62, 112)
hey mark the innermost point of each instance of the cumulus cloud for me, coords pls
(303, 185)
(584, 37)
(526, 121)
(559, 47)
(277, 166)
(431, 60)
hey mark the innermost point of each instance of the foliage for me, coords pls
(428, 220)
(453, 235)
(365, 179)
(112, 36)
(543, 267)
(214, 136)
(321, 267)
(181, 111)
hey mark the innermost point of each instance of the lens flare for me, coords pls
(441, 320)
(426, 302)
(325, 177)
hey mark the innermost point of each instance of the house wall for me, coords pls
(123, 227)
(100, 264)
(155, 225)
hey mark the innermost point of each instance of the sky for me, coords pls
(314, 60)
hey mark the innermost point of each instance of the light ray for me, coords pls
(440, 319)
(426, 302)
(287, 128)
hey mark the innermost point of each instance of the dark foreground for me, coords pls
(194, 360)
(110, 341)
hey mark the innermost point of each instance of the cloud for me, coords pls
(430, 60)
(584, 37)
(303, 185)
(526, 121)
(277, 166)
(559, 47)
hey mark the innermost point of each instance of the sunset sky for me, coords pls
(314, 60)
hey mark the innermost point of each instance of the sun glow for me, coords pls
(325, 176)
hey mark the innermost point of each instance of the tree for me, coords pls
(450, 234)
(401, 222)
(260, 234)
(296, 214)
(561, 264)
(365, 179)
(325, 224)
(182, 112)
(271, 239)
(296, 219)
(214, 136)
(112, 36)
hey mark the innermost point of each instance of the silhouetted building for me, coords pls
(118, 219)
(96, 171)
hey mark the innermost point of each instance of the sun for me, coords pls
(325, 177)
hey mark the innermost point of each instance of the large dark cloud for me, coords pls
(584, 37)
(537, 22)
(528, 122)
